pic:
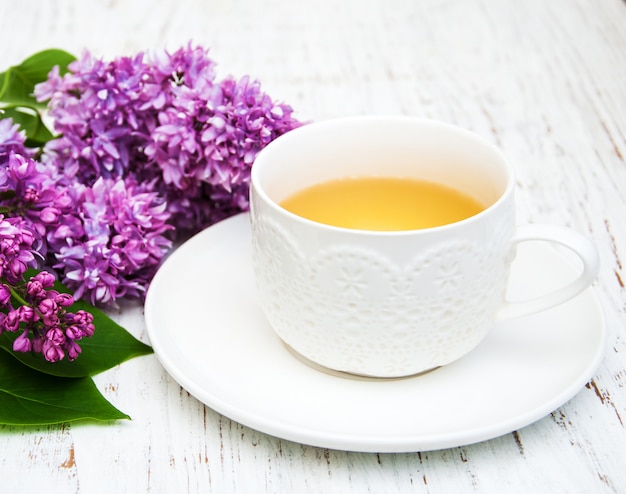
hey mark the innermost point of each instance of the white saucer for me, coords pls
(207, 331)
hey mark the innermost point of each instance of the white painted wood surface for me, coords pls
(545, 80)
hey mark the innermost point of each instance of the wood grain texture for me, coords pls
(545, 81)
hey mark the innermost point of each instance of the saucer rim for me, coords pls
(366, 441)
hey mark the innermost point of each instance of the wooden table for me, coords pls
(546, 81)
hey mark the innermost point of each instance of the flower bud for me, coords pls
(11, 321)
(64, 299)
(52, 352)
(5, 295)
(22, 343)
(45, 278)
(49, 215)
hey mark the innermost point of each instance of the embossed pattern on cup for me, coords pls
(350, 306)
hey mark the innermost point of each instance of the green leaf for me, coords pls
(17, 83)
(109, 346)
(28, 397)
(29, 119)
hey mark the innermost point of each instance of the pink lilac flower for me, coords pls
(105, 241)
(164, 120)
(122, 244)
(94, 108)
(148, 147)
(16, 253)
(42, 319)
(34, 192)
(11, 139)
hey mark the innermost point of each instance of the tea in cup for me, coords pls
(382, 245)
(382, 203)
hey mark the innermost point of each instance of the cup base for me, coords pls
(351, 375)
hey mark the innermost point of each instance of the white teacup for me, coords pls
(390, 304)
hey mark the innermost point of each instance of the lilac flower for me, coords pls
(206, 149)
(5, 295)
(164, 120)
(106, 240)
(35, 192)
(11, 139)
(123, 244)
(42, 319)
(11, 321)
(16, 254)
(22, 343)
(149, 147)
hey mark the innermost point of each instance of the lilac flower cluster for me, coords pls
(42, 318)
(149, 148)
(119, 243)
(16, 252)
(106, 241)
(166, 122)
(32, 201)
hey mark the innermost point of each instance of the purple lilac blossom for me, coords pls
(163, 119)
(11, 140)
(121, 245)
(33, 192)
(105, 241)
(150, 147)
(16, 253)
(43, 322)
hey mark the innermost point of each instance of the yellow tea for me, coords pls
(382, 203)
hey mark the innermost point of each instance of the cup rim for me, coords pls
(256, 188)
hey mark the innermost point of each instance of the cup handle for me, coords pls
(577, 243)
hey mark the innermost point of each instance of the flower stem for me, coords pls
(15, 294)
